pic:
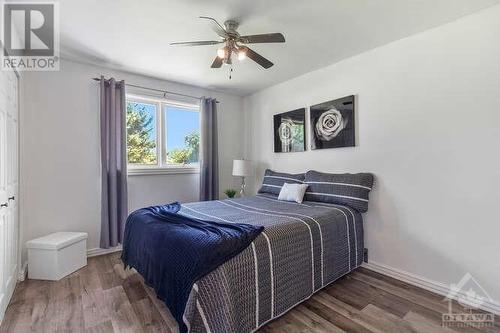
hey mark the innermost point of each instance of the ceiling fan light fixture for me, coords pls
(221, 53)
(242, 55)
(232, 44)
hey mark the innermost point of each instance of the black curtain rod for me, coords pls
(165, 92)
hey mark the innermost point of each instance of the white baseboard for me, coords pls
(99, 252)
(427, 284)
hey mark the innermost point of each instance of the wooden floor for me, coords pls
(102, 297)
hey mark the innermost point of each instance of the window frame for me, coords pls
(161, 167)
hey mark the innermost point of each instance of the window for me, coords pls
(162, 136)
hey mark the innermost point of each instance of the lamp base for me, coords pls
(243, 185)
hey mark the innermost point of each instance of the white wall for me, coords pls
(60, 158)
(428, 115)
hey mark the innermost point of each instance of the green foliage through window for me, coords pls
(189, 154)
(141, 147)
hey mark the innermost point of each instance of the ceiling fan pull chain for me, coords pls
(231, 73)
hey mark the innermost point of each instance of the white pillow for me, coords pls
(292, 192)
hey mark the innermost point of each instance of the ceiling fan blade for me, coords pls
(257, 58)
(217, 62)
(216, 26)
(264, 38)
(198, 43)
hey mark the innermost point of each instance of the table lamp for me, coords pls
(242, 168)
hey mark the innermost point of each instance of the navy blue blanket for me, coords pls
(172, 251)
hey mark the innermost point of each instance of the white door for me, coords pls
(9, 179)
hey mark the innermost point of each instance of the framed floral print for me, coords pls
(289, 131)
(332, 124)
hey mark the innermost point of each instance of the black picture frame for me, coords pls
(332, 124)
(290, 131)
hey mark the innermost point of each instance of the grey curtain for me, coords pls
(209, 158)
(114, 162)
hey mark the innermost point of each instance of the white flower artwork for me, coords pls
(285, 131)
(289, 131)
(332, 124)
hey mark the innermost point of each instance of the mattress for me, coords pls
(303, 248)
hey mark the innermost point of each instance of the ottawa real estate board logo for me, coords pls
(30, 36)
(471, 297)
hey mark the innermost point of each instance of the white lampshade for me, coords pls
(242, 168)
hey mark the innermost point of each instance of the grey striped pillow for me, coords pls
(343, 189)
(273, 181)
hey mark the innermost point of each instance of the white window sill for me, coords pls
(162, 171)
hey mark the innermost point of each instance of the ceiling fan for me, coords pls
(234, 43)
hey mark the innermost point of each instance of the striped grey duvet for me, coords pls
(303, 248)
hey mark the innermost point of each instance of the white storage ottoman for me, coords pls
(54, 256)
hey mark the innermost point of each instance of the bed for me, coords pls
(303, 248)
(233, 265)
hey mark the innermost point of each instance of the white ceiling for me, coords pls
(134, 35)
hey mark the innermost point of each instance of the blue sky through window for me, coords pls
(180, 122)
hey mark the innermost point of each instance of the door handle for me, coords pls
(4, 205)
(12, 198)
